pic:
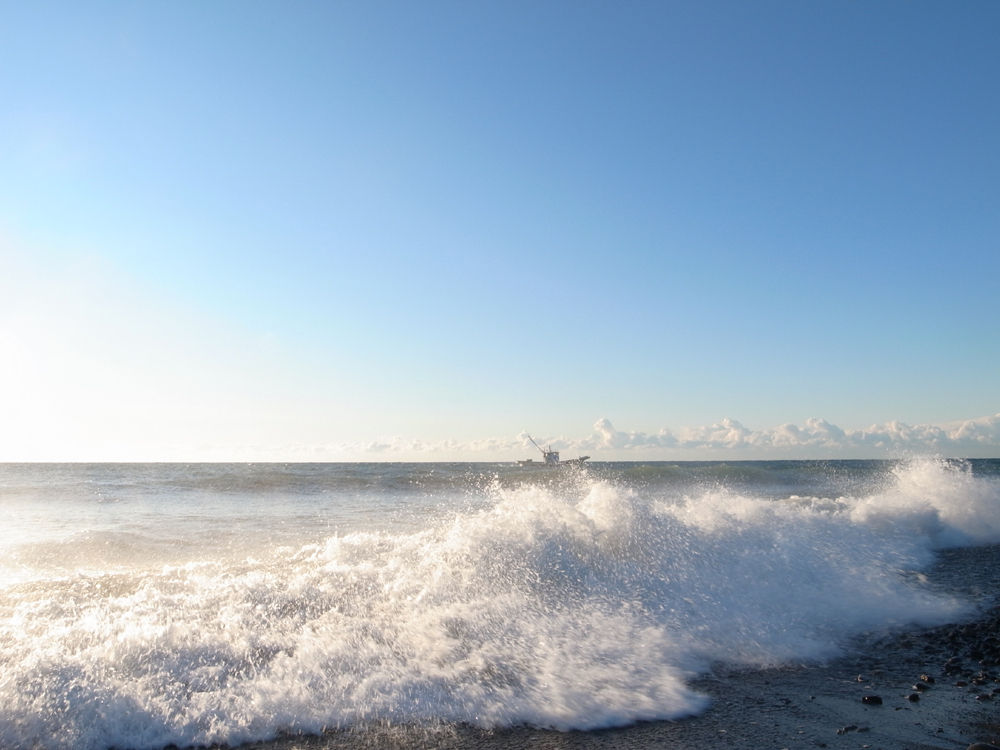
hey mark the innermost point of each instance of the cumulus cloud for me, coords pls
(816, 435)
(607, 437)
(816, 438)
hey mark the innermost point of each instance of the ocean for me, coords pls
(150, 605)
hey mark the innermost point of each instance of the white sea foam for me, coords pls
(583, 605)
(942, 502)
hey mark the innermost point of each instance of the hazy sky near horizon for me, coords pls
(315, 224)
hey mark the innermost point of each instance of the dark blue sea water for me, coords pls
(144, 605)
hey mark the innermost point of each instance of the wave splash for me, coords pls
(579, 606)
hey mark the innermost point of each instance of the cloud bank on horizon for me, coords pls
(974, 438)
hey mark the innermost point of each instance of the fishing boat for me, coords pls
(551, 458)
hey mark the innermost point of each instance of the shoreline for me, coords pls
(798, 708)
(795, 707)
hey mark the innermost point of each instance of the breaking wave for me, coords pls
(574, 604)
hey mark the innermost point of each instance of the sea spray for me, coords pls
(573, 600)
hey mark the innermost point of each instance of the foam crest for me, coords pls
(940, 501)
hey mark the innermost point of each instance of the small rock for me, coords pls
(927, 678)
(861, 678)
(982, 746)
(872, 700)
(913, 697)
(961, 683)
(984, 697)
(849, 728)
(920, 687)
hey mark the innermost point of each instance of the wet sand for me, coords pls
(797, 707)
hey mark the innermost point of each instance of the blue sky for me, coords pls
(319, 226)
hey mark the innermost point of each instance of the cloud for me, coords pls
(817, 435)
(607, 437)
(817, 438)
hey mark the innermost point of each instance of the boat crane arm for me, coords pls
(535, 444)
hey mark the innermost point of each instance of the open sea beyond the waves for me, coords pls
(144, 605)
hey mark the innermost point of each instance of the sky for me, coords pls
(420, 231)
